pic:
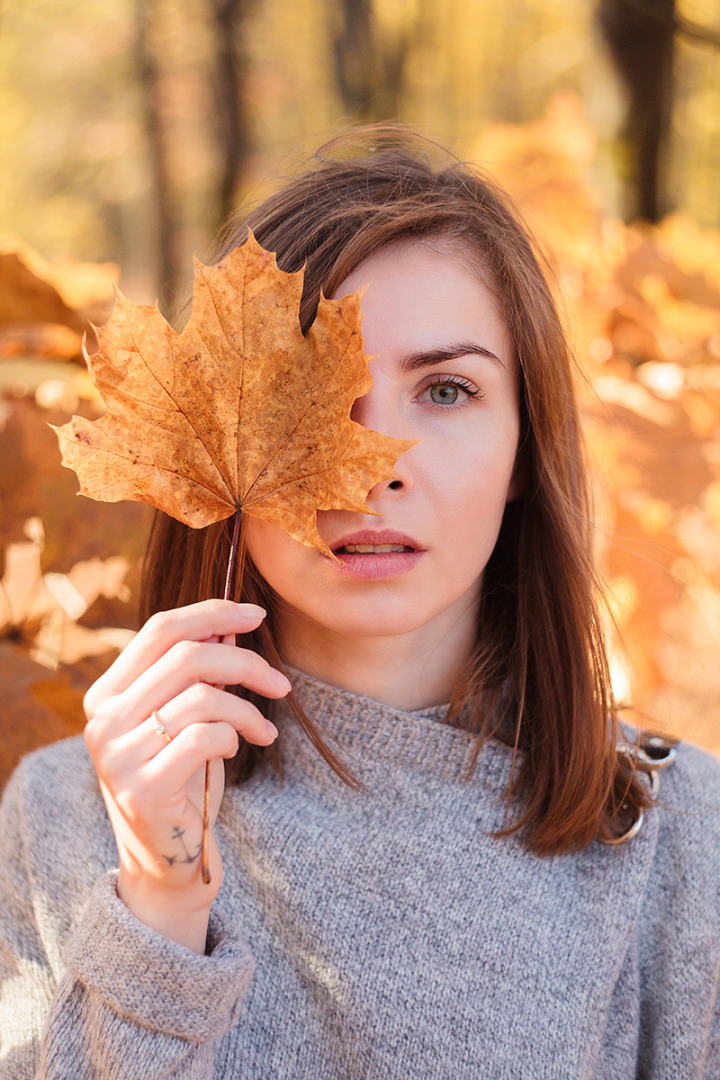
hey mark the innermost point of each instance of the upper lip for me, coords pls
(370, 536)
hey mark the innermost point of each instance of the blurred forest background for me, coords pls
(129, 129)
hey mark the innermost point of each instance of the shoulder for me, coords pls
(686, 867)
(688, 799)
(677, 955)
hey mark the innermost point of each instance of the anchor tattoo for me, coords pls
(187, 857)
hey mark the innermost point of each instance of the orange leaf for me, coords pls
(68, 293)
(240, 411)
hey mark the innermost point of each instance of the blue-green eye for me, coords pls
(444, 394)
(450, 392)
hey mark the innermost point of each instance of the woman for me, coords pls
(481, 890)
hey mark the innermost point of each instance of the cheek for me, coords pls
(475, 486)
(470, 499)
(269, 547)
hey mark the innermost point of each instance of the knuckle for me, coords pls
(194, 738)
(226, 740)
(159, 623)
(185, 653)
(198, 695)
(94, 733)
(90, 701)
(90, 736)
(251, 662)
(246, 714)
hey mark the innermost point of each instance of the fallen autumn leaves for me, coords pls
(65, 584)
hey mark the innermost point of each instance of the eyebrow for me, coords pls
(449, 352)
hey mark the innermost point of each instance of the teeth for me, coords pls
(368, 549)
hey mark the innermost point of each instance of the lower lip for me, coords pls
(373, 566)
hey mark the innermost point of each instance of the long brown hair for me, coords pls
(538, 679)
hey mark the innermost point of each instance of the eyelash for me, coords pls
(452, 380)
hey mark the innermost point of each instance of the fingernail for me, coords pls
(253, 611)
(271, 730)
(280, 681)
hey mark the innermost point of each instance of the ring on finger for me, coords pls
(158, 726)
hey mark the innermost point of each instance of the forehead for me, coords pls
(428, 290)
(438, 247)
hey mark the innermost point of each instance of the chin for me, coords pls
(369, 622)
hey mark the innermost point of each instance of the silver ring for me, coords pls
(158, 726)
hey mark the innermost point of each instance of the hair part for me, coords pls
(538, 679)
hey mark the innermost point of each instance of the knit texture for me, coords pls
(391, 934)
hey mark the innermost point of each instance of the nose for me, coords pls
(380, 409)
(363, 409)
(368, 411)
(385, 486)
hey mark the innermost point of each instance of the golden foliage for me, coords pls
(643, 304)
(39, 630)
(46, 308)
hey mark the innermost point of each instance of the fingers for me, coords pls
(188, 751)
(219, 619)
(173, 651)
(188, 663)
(158, 789)
(200, 703)
(197, 706)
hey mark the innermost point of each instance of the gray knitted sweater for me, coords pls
(365, 935)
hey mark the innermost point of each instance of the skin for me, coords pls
(444, 374)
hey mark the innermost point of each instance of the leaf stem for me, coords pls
(232, 556)
(205, 856)
(236, 544)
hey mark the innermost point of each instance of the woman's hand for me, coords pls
(154, 718)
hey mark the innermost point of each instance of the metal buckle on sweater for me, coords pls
(649, 754)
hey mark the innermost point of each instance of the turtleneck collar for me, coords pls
(364, 731)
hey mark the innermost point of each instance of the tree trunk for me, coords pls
(369, 71)
(232, 119)
(640, 35)
(169, 229)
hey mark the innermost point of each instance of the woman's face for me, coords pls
(443, 373)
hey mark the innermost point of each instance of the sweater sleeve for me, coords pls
(680, 928)
(123, 1001)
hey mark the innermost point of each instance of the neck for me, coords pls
(408, 671)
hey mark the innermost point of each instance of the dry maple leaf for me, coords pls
(240, 411)
(65, 291)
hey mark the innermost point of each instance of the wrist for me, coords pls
(182, 915)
